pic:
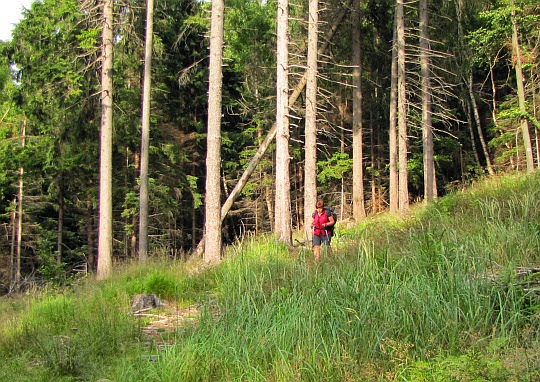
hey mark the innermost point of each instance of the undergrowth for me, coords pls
(434, 297)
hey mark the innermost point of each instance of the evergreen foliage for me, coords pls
(49, 81)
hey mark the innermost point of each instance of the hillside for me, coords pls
(448, 294)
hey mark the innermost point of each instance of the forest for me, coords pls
(387, 103)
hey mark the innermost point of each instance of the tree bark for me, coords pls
(521, 94)
(213, 220)
(392, 131)
(402, 112)
(310, 144)
(283, 184)
(17, 279)
(479, 126)
(145, 133)
(359, 210)
(60, 229)
(430, 183)
(105, 236)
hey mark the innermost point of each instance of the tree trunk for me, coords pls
(212, 251)
(60, 232)
(392, 131)
(145, 133)
(283, 185)
(479, 126)
(402, 112)
(359, 210)
(90, 258)
(430, 183)
(310, 145)
(105, 236)
(12, 260)
(521, 94)
(17, 278)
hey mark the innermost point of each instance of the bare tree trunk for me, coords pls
(283, 185)
(90, 258)
(145, 133)
(392, 132)
(270, 207)
(60, 228)
(402, 112)
(479, 126)
(534, 78)
(105, 236)
(213, 242)
(430, 183)
(310, 145)
(13, 218)
(521, 94)
(17, 279)
(359, 210)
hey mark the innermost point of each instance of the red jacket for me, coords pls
(318, 223)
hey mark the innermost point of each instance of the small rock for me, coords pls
(145, 302)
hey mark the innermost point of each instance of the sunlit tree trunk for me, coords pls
(310, 145)
(392, 131)
(145, 133)
(17, 272)
(521, 94)
(283, 183)
(212, 252)
(430, 184)
(359, 211)
(402, 112)
(476, 115)
(104, 267)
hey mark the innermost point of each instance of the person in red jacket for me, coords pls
(322, 220)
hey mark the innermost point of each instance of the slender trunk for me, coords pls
(468, 112)
(310, 145)
(283, 184)
(90, 258)
(392, 132)
(145, 133)
(359, 210)
(212, 203)
(60, 232)
(342, 112)
(402, 112)
(479, 126)
(105, 232)
(430, 184)
(521, 94)
(13, 217)
(534, 78)
(20, 214)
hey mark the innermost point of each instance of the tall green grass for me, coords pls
(428, 298)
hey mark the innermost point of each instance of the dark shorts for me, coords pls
(323, 239)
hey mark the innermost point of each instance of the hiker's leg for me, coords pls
(317, 253)
(316, 247)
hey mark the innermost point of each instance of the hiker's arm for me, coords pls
(331, 221)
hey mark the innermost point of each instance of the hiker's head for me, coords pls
(319, 204)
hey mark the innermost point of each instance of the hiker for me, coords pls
(323, 222)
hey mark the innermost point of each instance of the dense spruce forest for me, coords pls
(434, 93)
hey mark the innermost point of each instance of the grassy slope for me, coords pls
(430, 298)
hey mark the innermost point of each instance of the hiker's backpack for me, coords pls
(329, 212)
